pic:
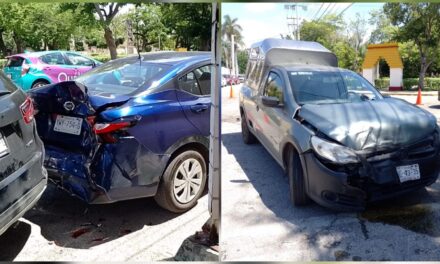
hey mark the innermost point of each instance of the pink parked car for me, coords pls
(30, 70)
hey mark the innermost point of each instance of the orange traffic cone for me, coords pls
(419, 97)
(231, 92)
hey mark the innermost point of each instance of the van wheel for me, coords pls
(248, 137)
(297, 186)
(39, 84)
(183, 182)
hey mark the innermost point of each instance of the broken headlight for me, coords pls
(333, 152)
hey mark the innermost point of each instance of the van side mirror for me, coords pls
(270, 101)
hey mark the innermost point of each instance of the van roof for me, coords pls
(286, 52)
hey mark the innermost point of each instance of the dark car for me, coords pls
(22, 175)
(133, 127)
(340, 141)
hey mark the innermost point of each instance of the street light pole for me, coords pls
(233, 54)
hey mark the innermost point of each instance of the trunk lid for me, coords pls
(371, 125)
(66, 114)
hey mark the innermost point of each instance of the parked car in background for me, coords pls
(340, 141)
(23, 177)
(133, 127)
(231, 79)
(35, 69)
(241, 78)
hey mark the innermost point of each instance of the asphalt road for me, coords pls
(260, 224)
(63, 228)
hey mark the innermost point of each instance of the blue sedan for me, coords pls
(130, 128)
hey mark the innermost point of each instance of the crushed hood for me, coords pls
(371, 124)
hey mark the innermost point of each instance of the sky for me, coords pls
(264, 20)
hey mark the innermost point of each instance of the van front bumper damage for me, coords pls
(352, 187)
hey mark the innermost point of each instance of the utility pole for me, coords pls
(215, 131)
(293, 19)
(233, 54)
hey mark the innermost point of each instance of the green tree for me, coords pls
(230, 28)
(189, 23)
(147, 25)
(242, 58)
(420, 23)
(384, 31)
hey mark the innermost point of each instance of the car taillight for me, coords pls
(106, 130)
(25, 69)
(27, 110)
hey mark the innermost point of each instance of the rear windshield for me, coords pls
(14, 62)
(121, 77)
(6, 85)
(330, 87)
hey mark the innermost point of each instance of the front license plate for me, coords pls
(408, 172)
(68, 124)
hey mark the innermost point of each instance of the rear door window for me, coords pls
(188, 83)
(15, 62)
(203, 75)
(55, 58)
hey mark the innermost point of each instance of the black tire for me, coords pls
(248, 137)
(39, 84)
(297, 186)
(165, 196)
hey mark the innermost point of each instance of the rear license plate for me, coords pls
(68, 124)
(408, 172)
(3, 147)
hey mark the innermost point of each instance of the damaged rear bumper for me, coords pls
(116, 172)
(351, 188)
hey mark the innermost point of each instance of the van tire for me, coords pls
(248, 137)
(297, 186)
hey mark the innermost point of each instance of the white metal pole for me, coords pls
(214, 139)
(233, 53)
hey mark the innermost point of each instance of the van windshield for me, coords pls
(330, 87)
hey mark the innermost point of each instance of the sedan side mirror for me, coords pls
(270, 101)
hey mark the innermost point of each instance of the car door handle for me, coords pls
(199, 108)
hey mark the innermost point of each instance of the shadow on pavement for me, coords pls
(69, 222)
(13, 240)
(269, 180)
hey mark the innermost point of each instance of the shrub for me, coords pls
(104, 57)
(382, 83)
(431, 84)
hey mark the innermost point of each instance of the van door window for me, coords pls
(274, 87)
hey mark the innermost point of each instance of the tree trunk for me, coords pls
(423, 67)
(18, 43)
(108, 35)
(2, 45)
